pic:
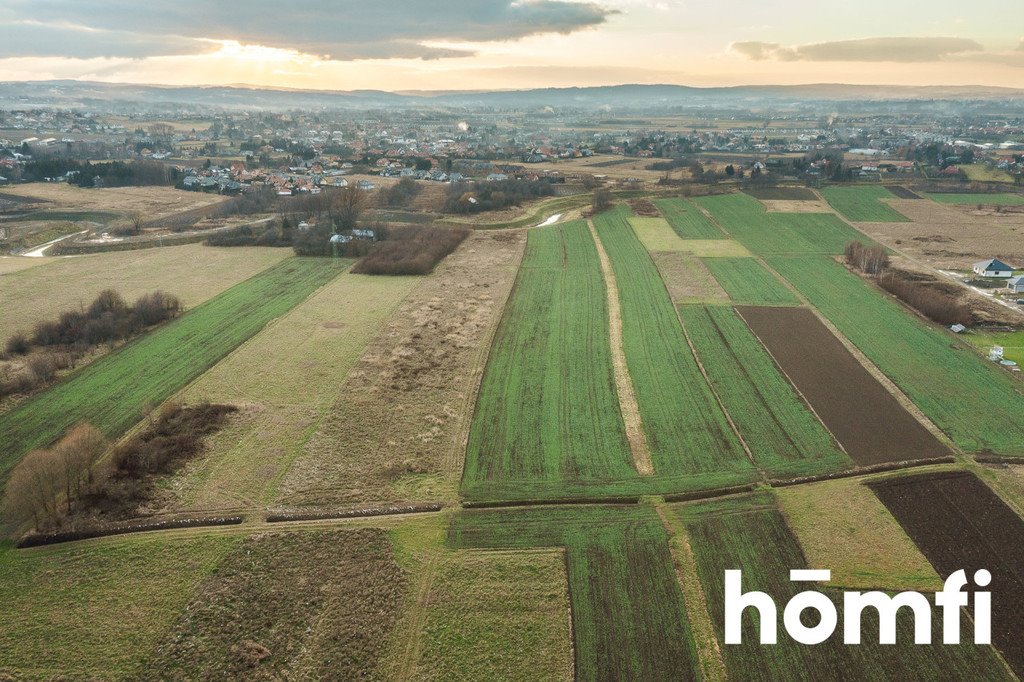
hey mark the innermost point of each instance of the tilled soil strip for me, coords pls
(870, 423)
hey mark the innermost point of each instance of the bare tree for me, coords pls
(602, 201)
(32, 490)
(77, 453)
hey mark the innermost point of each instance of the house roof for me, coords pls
(1014, 281)
(992, 264)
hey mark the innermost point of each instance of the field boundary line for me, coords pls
(709, 651)
(417, 621)
(628, 405)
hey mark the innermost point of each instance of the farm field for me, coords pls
(687, 432)
(863, 203)
(97, 610)
(113, 392)
(749, 533)
(313, 348)
(688, 279)
(749, 283)
(193, 273)
(12, 264)
(154, 202)
(656, 234)
(782, 193)
(498, 614)
(783, 435)
(870, 423)
(1012, 343)
(985, 173)
(397, 428)
(959, 523)
(687, 220)
(841, 524)
(547, 409)
(967, 199)
(975, 403)
(747, 221)
(629, 619)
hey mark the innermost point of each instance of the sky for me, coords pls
(405, 45)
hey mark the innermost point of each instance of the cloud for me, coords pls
(338, 29)
(862, 50)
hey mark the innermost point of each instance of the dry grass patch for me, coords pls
(193, 272)
(285, 379)
(10, 264)
(302, 605)
(153, 202)
(785, 206)
(716, 248)
(657, 235)
(398, 429)
(843, 527)
(687, 279)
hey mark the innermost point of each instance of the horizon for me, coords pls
(469, 46)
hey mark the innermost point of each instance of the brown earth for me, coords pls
(959, 523)
(782, 206)
(398, 430)
(870, 423)
(903, 192)
(948, 239)
(306, 605)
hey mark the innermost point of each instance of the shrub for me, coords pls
(399, 195)
(17, 344)
(411, 251)
(872, 260)
(930, 300)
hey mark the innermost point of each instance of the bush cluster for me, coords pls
(931, 301)
(478, 197)
(410, 251)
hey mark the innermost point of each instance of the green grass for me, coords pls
(113, 392)
(750, 534)
(976, 403)
(784, 436)
(863, 204)
(687, 220)
(981, 172)
(629, 619)
(996, 199)
(687, 432)
(1012, 343)
(746, 219)
(547, 409)
(96, 610)
(656, 234)
(749, 283)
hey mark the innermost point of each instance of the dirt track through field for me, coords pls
(959, 523)
(623, 382)
(870, 423)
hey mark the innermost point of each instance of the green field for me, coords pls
(96, 611)
(749, 283)
(863, 203)
(1012, 343)
(746, 219)
(687, 432)
(996, 199)
(977, 404)
(749, 533)
(784, 436)
(547, 409)
(114, 392)
(629, 619)
(687, 220)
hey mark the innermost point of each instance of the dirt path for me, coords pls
(623, 383)
(40, 250)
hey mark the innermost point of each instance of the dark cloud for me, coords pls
(341, 29)
(862, 50)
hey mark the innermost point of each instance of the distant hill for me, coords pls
(64, 93)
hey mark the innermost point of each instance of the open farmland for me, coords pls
(498, 614)
(863, 203)
(547, 409)
(12, 264)
(687, 432)
(687, 278)
(968, 199)
(977, 404)
(398, 425)
(870, 423)
(749, 533)
(313, 348)
(193, 273)
(842, 525)
(687, 220)
(764, 233)
(113, 393)
(959, 523)
(91, 611)
(629, 619)
(153, 202)
(656, 234)
(784, 437)
(749, 283)
(782, 193)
